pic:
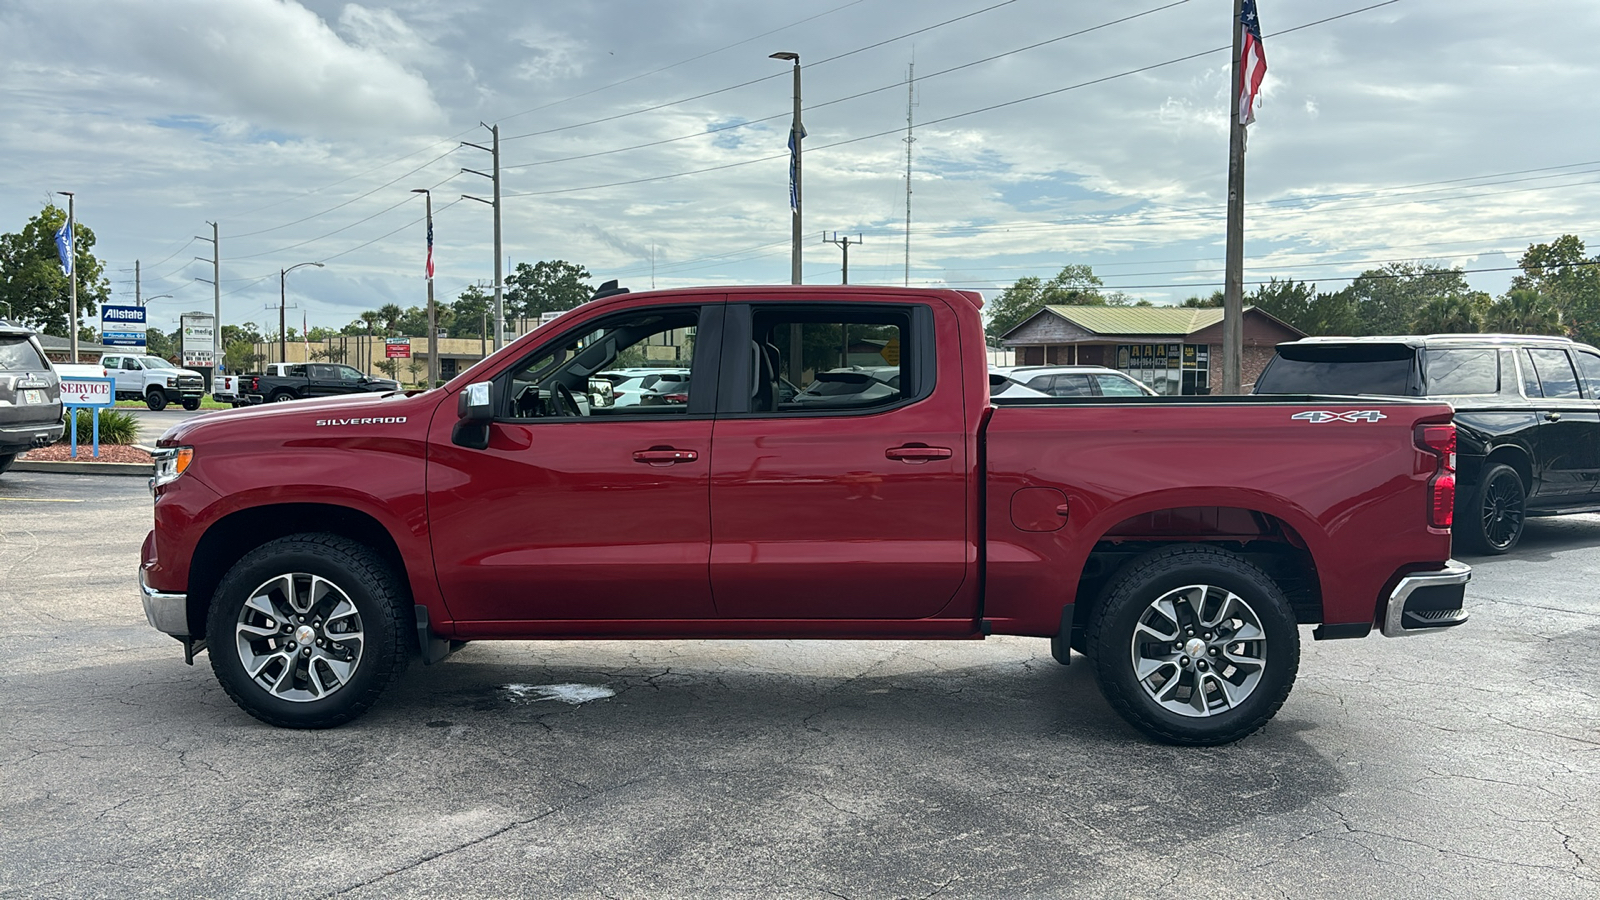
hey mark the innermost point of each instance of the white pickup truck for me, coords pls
(154, 380)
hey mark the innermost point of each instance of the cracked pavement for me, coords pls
(1456, 765)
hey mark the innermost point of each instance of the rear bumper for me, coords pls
(1427, 601)
(166, 612)
(17, 438)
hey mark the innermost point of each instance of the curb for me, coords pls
(146, 470)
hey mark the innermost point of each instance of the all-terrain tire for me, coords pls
(191, 405)
(266, 616)
(1228, 623)
(156, 399)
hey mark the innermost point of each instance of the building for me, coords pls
(1173, 349)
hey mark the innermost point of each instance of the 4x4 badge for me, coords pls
(1318, 416)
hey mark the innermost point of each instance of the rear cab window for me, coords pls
(1317, 368)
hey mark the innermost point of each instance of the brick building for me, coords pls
(1174, 349)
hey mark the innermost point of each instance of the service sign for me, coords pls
(87, 391)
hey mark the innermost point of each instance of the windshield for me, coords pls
(154, 362)
(1383, 369)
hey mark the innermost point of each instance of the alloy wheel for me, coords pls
(1199, 650)
(299, 637)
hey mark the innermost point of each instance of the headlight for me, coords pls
(172, 382)
(170, 463)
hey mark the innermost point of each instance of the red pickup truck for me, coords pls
(315, 547)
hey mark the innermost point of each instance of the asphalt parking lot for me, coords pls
(1456, 765)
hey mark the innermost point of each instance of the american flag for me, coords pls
(430, 248)
(1252, 63)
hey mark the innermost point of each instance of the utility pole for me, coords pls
(797, 132)
(499, 273)
(283, 329)
(1233, 280)
(72, 273)
(216, 294)
(138, 299)
(911, 102)
(844, 244)
(433, 320)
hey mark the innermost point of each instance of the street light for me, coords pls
(797, 132)
(153, 299)
(283, 331)
(433, 327)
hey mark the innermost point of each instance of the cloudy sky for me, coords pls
(1048, 132)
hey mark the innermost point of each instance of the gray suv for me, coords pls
(30, 395)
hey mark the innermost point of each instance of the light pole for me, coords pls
(283, 331)
(433, 326)
(153, 299)
(797, 132)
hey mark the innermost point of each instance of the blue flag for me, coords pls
(794, 159)
(64, 247)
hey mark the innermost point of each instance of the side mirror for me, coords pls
(476, 403)
(475, 409)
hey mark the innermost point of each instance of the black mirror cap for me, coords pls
(475, 403)
(608, 289)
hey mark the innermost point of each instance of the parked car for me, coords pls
(1078, 381)
(628, 386)
(1527, 415)
(30, 395)
(154, 380)
(298, 381)
(227, 389)
(1002, 386)
(851, 386)
(1178, 543)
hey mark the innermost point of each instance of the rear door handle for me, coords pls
(664, 456)
(917, 453)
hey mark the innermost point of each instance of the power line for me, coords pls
(344, 228)
(949, 118)
(877, 90)
(330, 209)
(743, 84)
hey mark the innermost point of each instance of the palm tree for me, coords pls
(1525, 311)
(390, 315)
(1449, 315)
(370, 318)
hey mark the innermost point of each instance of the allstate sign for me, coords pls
(122, 326)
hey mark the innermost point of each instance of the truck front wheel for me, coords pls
(305, 631)
(156, 399)
(1194, 645)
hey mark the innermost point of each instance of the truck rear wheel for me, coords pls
(305, 631)
(282, 397)
(1194, 645)
(156, 399)
(191, 405)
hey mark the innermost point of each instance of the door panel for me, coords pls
(822, 509)
(1567, 430)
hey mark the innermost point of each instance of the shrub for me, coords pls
(116, 427)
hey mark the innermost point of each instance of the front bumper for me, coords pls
(1427, 601)
(17, 438)
(166, 612)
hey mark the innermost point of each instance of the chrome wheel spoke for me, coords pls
(299, 637)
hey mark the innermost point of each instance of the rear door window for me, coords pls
(1463, 371)
(1555, 373)
(1071, 386)
(1589, 366)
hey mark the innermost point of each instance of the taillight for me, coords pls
(676, 398)
(1440, 441)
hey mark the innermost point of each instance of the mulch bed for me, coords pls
(116, 453)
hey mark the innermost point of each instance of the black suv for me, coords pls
(30, 395)
(1527, 415)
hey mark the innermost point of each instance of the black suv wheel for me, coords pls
(1492, 521)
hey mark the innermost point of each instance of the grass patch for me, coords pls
(205, 403)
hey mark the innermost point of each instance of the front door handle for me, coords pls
(1552, 417)
(664, 456)
(917, 453)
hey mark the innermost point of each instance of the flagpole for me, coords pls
(1233, 280)
(72, 273)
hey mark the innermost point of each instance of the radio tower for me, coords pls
(911, 101)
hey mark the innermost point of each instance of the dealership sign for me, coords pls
(397, 348)
(86, 391)
(122, 326)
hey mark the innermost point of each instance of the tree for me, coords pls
(413, 322)
(1451, 315)
(32, 283)
(388, 318)
(1389, 298)
(389, 367)
(469, 313)
(246, 332)
(240, 356)
(329, 353)
(1567, 279)
(546, 286)
(159, 343)
(1215, 300)
(1524, 311)
(1072, 286)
